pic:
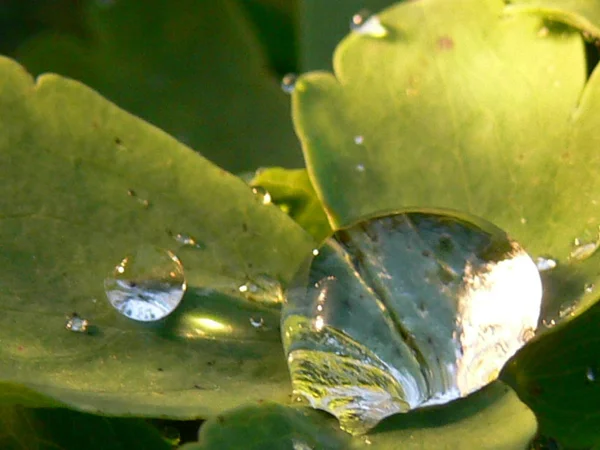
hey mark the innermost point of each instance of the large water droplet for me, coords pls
(76, 323)
(147, 285)
(406, 311)
(288, 82)
(364, 23)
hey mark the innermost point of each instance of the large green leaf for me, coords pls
(195, 69)
(69, 164)
(463, 106)
(61, 429)
(491, 419)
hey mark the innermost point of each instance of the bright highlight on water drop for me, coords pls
(146, 286)
(405, 311)
(366, 24)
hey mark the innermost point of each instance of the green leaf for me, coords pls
(270, 426)
(293, 192)
(69, 163)
(463, 106)
(558, 377)
(61, 429)
(582, 14)
(493, 419)
(195, 69)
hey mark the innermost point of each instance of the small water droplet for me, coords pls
(257, 322)
(366, 24)
(591, 374)
(185, 239)
(583, 250)
(288, 82)
(588, 288)
(360, 167)
(262, 288)
(144, 202)
(543, 32)
(367, 440)
(146, 286)
(76, 324)
(315, 252)
(359, 140)
(549, 323)
(301, 445)
(566, 311)
(523, 220)
(544, 264)
(262, 194)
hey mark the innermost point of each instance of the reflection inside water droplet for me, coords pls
(147, 285)
(76, 324)
(406, 311)
(288, 83)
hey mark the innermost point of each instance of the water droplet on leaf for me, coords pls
(544, 264)
(185, 239)
(257, 322)
(262, 288)
(583, 250)
(588, 288)
(77, 324)
(359, 140)
(262, 195)
(357, 342)
(288, 83)
(366, 24)
(360, 167)
(146, 286)
(591, 374)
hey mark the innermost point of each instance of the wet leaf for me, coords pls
(463, 425)
(62, 429)
(293, 192)
(162, 60)
(85, 184)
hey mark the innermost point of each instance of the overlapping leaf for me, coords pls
(84, 184)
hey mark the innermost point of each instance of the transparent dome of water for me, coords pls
(405, 311)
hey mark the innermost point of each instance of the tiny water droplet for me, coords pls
(262, 194)
(591, 374)
(288, 82)
(366, 24)
(549, 323)
(76, 324)
(262, 288)
(144, 202)
(566, 311)
(185, 239)
(360, 167)
(359, 140)
(543, 32)
(301, 445)
(588, 288)
(315, 252)
(257, 322)
(147, 285)
(544, 264)
(367, 440)
(583, 250)
(523, 220)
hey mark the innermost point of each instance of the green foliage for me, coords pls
(468, 105)
(68, 218)
(62, 429)
(162, 60)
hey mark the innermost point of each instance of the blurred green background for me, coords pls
(206, 72)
